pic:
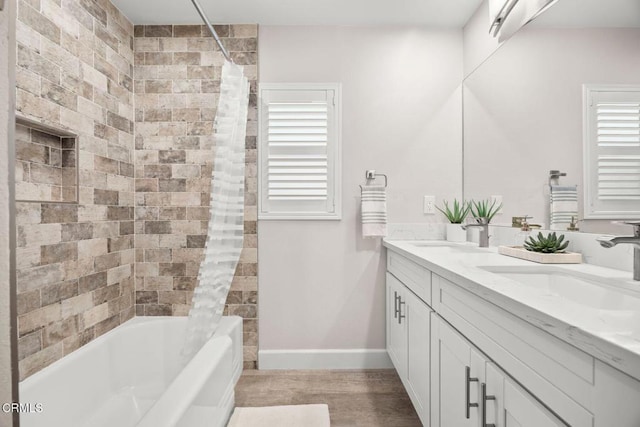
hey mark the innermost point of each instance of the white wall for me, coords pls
(523, 114)
(479, 44)
(7, 67)
(322, 284)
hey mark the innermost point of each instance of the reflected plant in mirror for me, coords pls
(484, 210)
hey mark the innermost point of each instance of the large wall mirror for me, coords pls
(523, 106)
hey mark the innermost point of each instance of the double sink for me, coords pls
(612, 301)
(593, 308)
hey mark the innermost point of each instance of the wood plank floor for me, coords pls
(368, 398)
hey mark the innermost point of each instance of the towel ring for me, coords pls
(371, 174)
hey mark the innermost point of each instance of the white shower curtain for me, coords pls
(226, 220)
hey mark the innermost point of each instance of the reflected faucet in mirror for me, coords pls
(611, 241)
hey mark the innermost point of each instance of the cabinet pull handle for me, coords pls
(400, 315)
(485, 397)
(467, 387)
(395, 304)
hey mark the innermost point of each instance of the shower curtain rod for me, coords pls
(211, 29)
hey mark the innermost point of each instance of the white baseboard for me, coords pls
(324, 359)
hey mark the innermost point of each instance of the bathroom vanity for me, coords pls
(481, 339)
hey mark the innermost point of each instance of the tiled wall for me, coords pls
(75, 261)
(177, 84)
(7, 69)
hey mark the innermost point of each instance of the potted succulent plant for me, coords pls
(456, 216)
(549, 249)
(547, 245)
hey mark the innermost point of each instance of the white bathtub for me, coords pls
(132, 376)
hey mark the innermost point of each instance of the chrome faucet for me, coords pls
(611, 241)
(483, 224)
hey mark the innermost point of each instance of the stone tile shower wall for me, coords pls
(75, 261)
(177, 84)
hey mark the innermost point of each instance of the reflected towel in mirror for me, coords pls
(563, 206)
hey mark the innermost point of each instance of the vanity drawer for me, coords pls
(558, 374)
(414, 276)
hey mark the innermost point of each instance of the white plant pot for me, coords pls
(455, 233)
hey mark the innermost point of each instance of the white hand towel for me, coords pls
(374, 211)
(564, 205)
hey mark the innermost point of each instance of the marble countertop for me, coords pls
(602, 319)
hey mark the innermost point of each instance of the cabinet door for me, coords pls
(513, 406)
(522, 410)
(418, 323)
(454, 381)
(396, 326)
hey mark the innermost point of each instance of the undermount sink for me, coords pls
(577, 288)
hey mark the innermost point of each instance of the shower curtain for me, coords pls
(226, 220)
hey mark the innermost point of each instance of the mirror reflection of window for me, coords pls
(612, 151)
(523, 110)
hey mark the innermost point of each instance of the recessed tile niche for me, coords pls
(45, 163)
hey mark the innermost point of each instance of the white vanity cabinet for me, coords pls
(455, 384)
(551, 371)
(452, 344)
(396, 328)
(471, 391)
(408, 332)
(514, 406)
(417, 383)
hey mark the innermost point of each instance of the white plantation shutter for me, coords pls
(612, 152)
(299, 153)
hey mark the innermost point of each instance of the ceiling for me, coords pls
(435, 13)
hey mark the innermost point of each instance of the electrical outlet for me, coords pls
(498, 201)
(429, 205)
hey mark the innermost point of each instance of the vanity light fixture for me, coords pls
(498, 12)
(512, 15)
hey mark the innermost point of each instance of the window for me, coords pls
(299, 151)
(612, 152)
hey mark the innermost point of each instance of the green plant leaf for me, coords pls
(485, 209)
(458, 213)
(551, 243)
